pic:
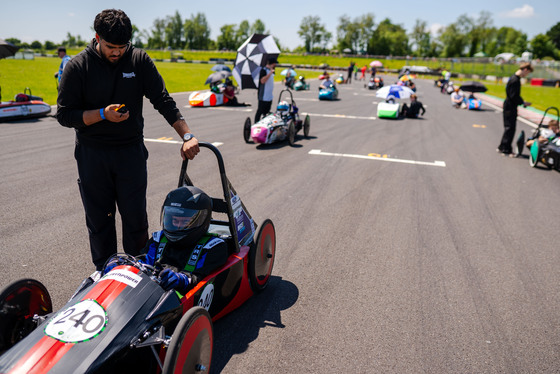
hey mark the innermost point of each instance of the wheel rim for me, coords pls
(195, 354)
(264, 259)
(190, 350)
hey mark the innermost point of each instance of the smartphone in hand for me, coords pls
(122, 109)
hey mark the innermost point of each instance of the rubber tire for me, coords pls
(306, 125)
(291, 133)
(21, 299)
(520, 143)
(190, 350)
(533, 161)
(261, 256)
(247, 130)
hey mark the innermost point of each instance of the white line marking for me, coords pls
(435, 163)
(217, 108)
(215, 144)
(338, 116)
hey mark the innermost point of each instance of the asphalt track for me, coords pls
(403, 246)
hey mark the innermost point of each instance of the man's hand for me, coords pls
(112, 115)
(190, 149)
(526, 104)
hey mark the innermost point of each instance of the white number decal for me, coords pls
(206, 297)
(81, 322)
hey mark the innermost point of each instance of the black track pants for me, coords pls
(510, 120)
(263, 109)
(110, 178)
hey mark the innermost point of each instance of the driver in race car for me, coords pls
(327, 83)
(184, 248)
(547, 135)
(283, 108)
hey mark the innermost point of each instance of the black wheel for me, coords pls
(520, 143)
(306, 124)
(190, 350)
(291, 132)
(19, 302)
(247, 130)
(261, 256)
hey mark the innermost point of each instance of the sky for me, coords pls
(51, 20)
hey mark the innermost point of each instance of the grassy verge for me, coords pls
(38, 75)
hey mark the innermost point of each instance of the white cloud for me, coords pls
(434, 28)
(526, 11)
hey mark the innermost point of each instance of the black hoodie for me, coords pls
(91, 82)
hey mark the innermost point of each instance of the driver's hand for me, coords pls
(110, 266)
(190, 149)
(170, 279)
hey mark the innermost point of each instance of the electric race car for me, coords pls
(301, 84)
(330, 93)
(547, 152)
(374, 83)
(124, 321)
(283, 124)
(23, 106)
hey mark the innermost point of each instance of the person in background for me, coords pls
(327, 82)
(458, 98)
(266, 89)
(229, 93)
(363, 75)
(65, 58)
(512, 101)
(414, 110)
(350, 71)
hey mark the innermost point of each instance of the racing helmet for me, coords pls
(283, 107)
(185, 215)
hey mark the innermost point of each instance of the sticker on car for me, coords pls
(78, 323)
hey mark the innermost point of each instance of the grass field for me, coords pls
(38, 75)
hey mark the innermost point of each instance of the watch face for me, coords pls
(188, 137)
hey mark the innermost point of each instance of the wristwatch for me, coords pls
(188, 136)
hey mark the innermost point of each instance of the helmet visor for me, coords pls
(177, 219)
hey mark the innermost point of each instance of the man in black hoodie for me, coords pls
(101, 96)
(512, 101)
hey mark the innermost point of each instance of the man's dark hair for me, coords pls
(61, 49)
(113, 26)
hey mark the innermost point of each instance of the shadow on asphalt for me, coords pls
(234, 332)
(283, 144)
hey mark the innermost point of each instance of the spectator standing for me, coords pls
(266, 89)
(65, 58)
(110, 152)
(350, 71)
(512, 101)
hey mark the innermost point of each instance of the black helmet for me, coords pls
(185, 215)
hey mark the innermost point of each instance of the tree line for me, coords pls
(466, 37)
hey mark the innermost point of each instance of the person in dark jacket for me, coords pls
(414, 110)
(512, 101)
(100, 96)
